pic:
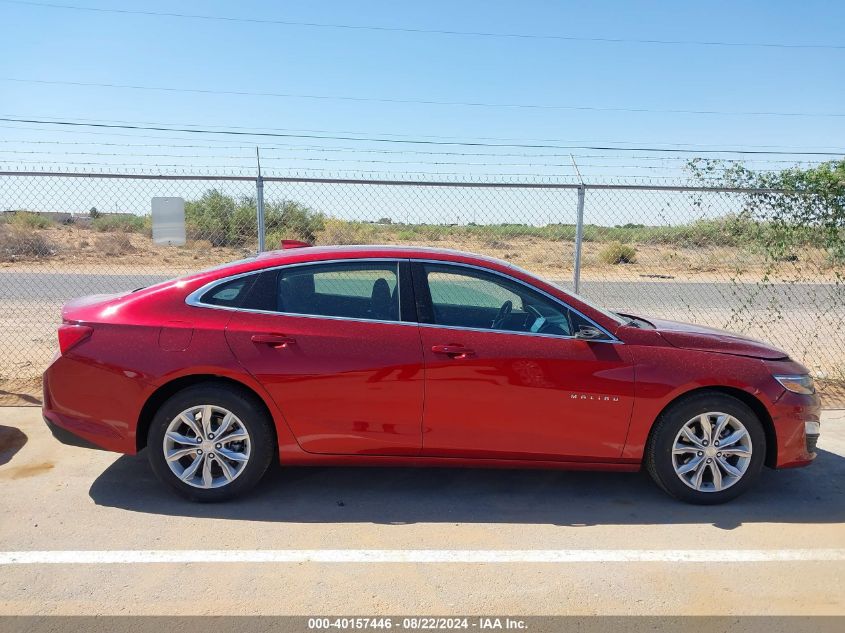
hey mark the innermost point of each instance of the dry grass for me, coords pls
(28, 220)
(115, 245)
(346, 233)
(18, 243)
(79, 249)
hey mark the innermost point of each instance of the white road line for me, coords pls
(116, 557)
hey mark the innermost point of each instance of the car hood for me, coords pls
(705, 339)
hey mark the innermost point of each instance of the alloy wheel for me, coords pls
(711, 452)
(206, 446)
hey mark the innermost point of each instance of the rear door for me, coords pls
(336, 346)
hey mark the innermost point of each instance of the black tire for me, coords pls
(658, 454)
(251, 414)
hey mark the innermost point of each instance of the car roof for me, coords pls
(270, 259)
(317, 253)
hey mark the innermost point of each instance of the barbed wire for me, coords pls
(691, 146)
(343, 149)
(236, 132)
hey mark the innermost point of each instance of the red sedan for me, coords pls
(411, 356)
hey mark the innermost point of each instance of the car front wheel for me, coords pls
(706, 449)
(210, 442)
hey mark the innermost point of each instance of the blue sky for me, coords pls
(81, 46)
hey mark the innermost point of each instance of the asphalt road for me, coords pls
(59, 500)
(665, 296)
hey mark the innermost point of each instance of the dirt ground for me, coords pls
(83, 249)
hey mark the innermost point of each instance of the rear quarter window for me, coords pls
(229, 294)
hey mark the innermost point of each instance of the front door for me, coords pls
(506, 379)
(331, 348)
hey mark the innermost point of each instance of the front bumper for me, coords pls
(793, 416)
(812, 430)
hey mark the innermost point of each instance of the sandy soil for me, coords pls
(83, 250)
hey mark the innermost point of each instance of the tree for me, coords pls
(798, 205)
(225, 221)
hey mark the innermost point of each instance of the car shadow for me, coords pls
(451, 495)
(12, 439)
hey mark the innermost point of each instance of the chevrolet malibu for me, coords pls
(423, 357)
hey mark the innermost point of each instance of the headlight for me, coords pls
(798, 384)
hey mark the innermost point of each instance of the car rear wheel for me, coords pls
(211, 442)
(706, 449)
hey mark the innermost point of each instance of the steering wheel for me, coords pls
(533, 311)
(504, 311)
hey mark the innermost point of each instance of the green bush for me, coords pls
(342, 232)
(618, 253)
(29, 220)
(225, 221)
(113, 223)
(293, 220)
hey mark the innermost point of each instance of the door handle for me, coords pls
(453, 351)
(273, 340)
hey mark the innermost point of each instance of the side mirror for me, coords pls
(588, 333)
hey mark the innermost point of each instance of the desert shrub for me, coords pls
(112, 223)
(293, 220)
(796, 206)
(423, 232)
(210, 218)
(17, 243)
(114, 245)
(618, 253)
(29, 220)
(492, 242)
(226, 221)
(340, 232)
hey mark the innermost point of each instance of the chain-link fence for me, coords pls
(685, 253)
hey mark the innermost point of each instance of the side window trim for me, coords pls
(407, 302)
(425, 306)
(407, 307)
(242, 294)
(195, 298)
(393, 264)
(422, 294)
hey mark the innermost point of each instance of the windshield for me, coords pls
(618, 318)
(610, 315)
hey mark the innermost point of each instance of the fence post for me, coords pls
(259, 203)
(579, 238)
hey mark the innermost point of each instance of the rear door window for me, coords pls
(352, 290)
